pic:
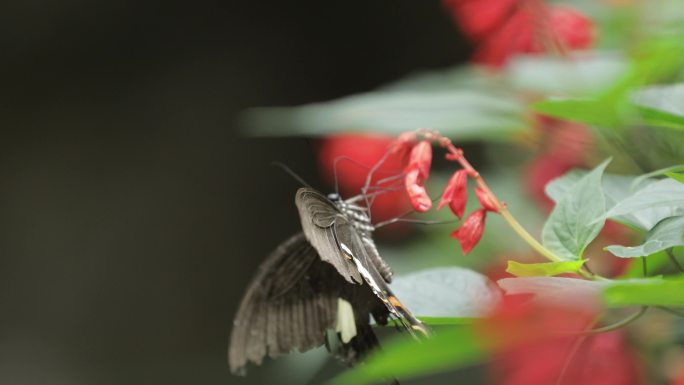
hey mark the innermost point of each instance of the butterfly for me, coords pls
(328, 277)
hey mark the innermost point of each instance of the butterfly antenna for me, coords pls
(291, 173)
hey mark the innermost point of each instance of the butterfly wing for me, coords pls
(354, 255)
(323, 225)
(289, 304)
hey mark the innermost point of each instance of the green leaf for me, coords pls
(446, 292)
(571, 292)
(655, 263)
(592, 112)
(661, 199)
(458, 103)
(625, 192)
(543, 269)
(676, 176)
(651, 292)
(579, 74)
(616, 106)
(576, 219)
(667, 233)
(405, 358)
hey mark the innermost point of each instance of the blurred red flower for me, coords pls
(364, 150)
(502, 28)
(535, 344)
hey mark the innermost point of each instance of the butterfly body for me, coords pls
(299, 292)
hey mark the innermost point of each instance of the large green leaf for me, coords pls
(619, 105)
(579, 292)
(641, 202)
(676, 176)
(405, 358)
(587, 111)
(652, 292)
(658, 200)
(446, 292)
(458, 103)
(546, 269)
(667, 233)
(576, 219)
(581, 74)
(554, 289)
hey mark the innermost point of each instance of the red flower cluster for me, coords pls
(455, 194)
(352, 155)
(503, 28)
(538, 339)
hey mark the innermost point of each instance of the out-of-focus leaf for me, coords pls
(446, 292)
(552, 75)
(602, 114)
(676, 176)
(651, 291)
(570, 291)
(574, 221)
(466, 114)
(546, 269)
(654, 263)
(615, 107)
(665, 98)
(592, 112)
(460, 102)
(405, 358)
(667, 233)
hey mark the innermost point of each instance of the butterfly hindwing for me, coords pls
(289, 304)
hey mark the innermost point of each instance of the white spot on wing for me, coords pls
(346, 323)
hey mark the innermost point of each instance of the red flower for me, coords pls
(421, 158)
(416, 191)
(572, 27)
(503, 28)
(417, 172)
(533, 339)
(364, 150)
(486, 200)
(403, 143)
(479, 18)
(471, 230)
(456, 193)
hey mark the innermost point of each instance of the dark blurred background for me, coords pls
(132, 212)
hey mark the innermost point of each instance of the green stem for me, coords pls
(619, 324)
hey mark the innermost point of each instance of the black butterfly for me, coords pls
(308, 285)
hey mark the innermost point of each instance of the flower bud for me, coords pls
(471, 230)
(456, 193)
(420, 159)
(416, 192)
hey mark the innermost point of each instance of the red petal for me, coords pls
(471, 230)
(456, 193)
(421, 157)
(574, 29)
(403, 143)
(417, 194)
(486, 200)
